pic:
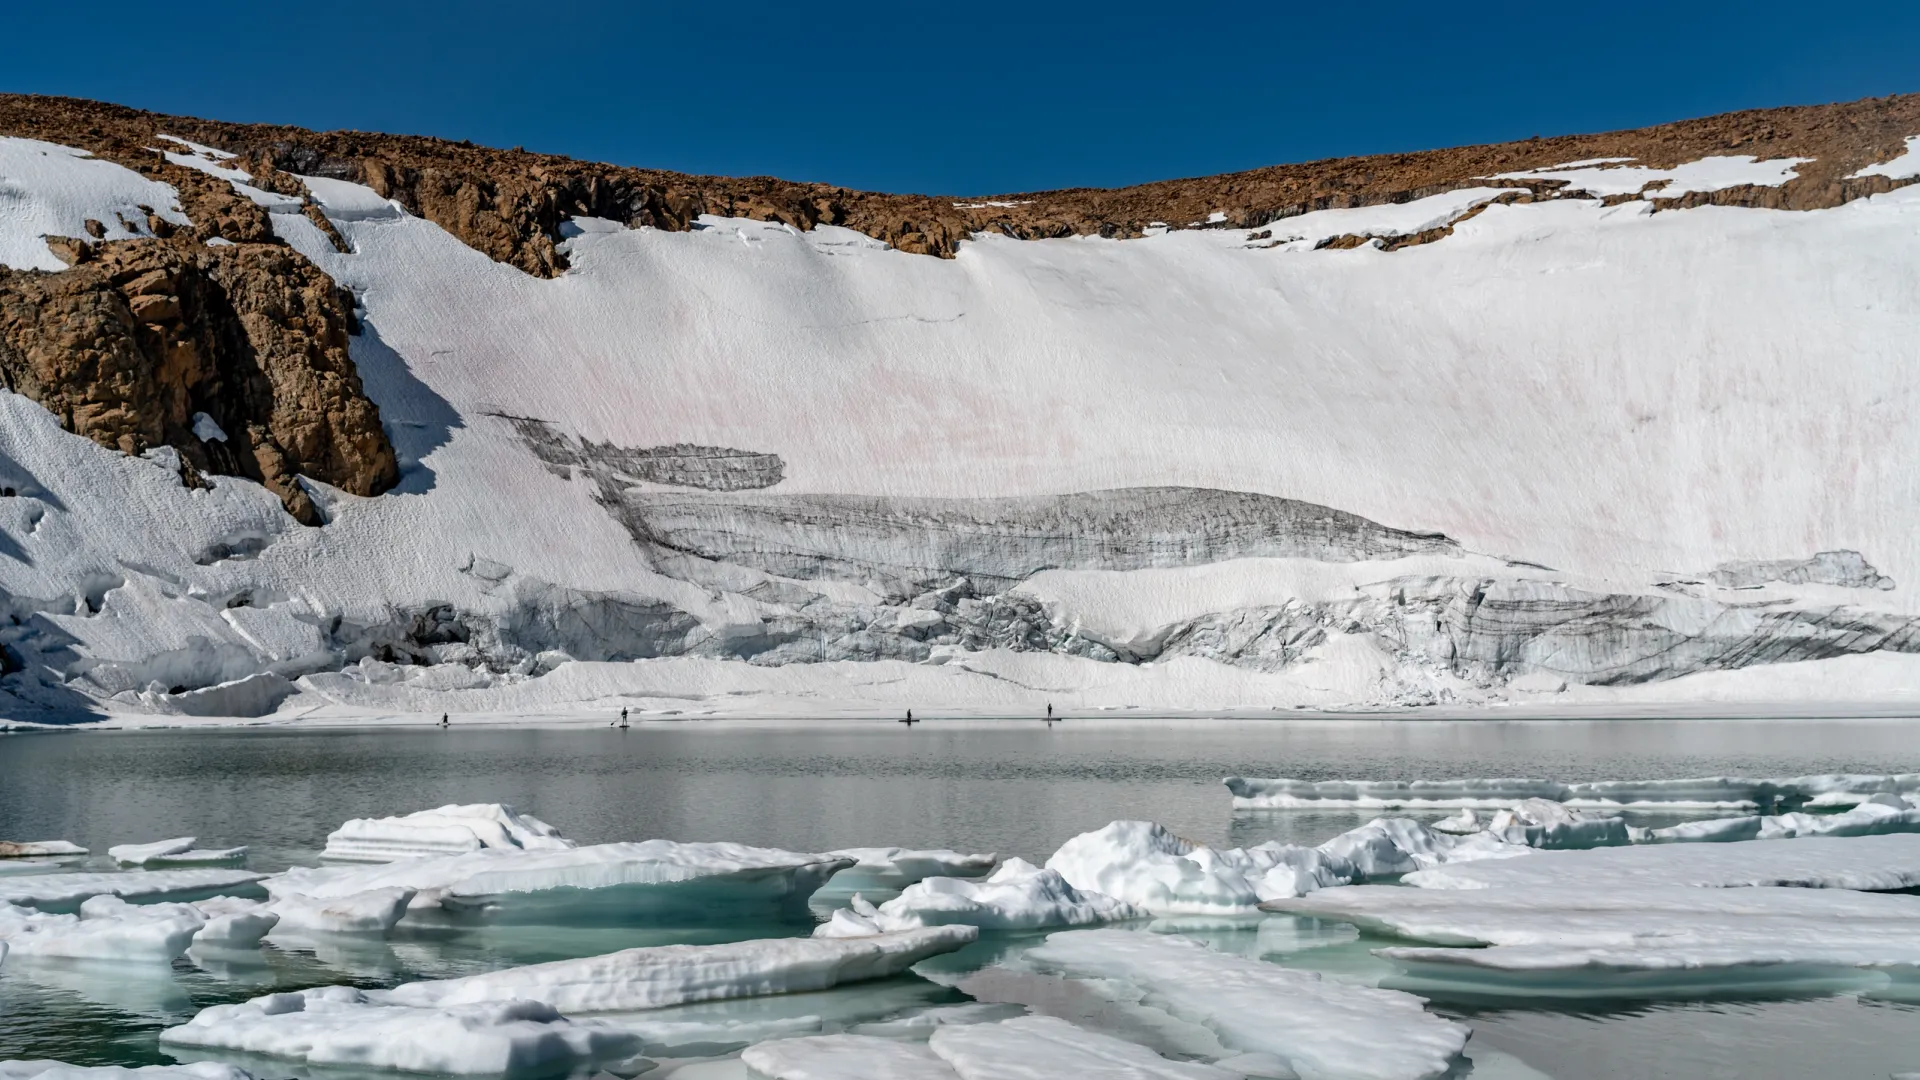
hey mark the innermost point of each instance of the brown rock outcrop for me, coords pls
(138, 336)
(510, 203)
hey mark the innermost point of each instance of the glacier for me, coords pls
(1192, 470)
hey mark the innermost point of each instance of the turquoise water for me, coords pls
(1015, 789)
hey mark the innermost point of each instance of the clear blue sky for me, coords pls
(953, 99)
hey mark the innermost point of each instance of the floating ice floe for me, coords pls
(66, 892)
(374, 911)
(661, 975)
(107, 928)
(1662, 940)
(1143, 864)
(449, 830)
(1320, 1029)
(604, 881)
(1861, 862)
(60, 1070)
(1018, 896)
(897, 868)
(1884, 814)
(233, 923)
(1036, 1047)
(177, 852)
(33, 849)
(1698, 793)
(338, 1025)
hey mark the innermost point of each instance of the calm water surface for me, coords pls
(978, 786)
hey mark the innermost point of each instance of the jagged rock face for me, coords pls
(128, 345)
(510, 204)
(903, 547)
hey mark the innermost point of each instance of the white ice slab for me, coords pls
(1047, 1048)
(844, 1057)
(1581, 939)
(661, 975)
(448, 830)
(60, 1070)
(1143, 864)
(233, 923)
(177, 852)
(897, 868)
(1017, 896)
(338, 1025)
(1867, 819)
(32, 849)
(374, 911)
(611, 879)
(107, 928)
(1862, 862)
(65, 892)
(1696, 793)
(1323, 1030)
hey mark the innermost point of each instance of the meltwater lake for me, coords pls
(1011, 788)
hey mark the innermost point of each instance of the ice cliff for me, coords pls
(1510, 427)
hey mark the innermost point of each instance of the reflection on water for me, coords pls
(975, 786)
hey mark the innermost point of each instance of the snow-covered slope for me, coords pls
(761, 468)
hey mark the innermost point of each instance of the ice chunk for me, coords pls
(374, 911)
(107, 928)
(656, 976)
(897, 868)
(1045, 1048)
(177, 852)
(60, 1070)
(1018, 896)
(65, 892)
(1143, 864)
(618, 882)
(1320, 1029)
(1387, 846)
(1595, 941)
(844, 1057)
(31, 849)
(1867, 819)
(1860, 862)
(207, 429)
(233, 923)
(449, 830)
(1543, 823)
(338, 1025)
(1696, 793)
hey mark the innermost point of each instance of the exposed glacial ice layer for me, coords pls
(1875, 863)
(903, 547)
(448, 830)
(66, 892)
(1319, 1028)
(34, 849)
(176, 852)
(107, 928)
(341, 1026)
(1651, 940)
(60, 1070)
(662, 975)
(618, 882)
(1699, 793)
(1017, 896)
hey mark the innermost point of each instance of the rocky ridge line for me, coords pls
(510, 204)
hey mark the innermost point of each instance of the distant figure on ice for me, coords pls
(1049, 712)
(443, 719)
(909, 720)
(623, 719)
